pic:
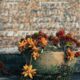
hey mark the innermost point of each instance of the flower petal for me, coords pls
(25, 67)
(30, 75)
(34, 70)
(30, 67)
(25, 75)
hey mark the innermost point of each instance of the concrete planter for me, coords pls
(49, 62)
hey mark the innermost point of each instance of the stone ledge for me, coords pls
(13, 50)
(9, 78)
(75, 76)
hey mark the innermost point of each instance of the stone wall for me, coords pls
(19, 17)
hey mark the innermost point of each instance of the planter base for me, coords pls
(49, 62)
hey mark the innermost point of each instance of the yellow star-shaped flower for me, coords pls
(28, 71)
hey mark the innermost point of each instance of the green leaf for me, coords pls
(68, 43)
(42, 51)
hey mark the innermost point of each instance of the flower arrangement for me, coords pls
(37, 42)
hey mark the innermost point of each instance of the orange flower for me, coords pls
(25, 42)
(35, 48)
(35, 42)
(43, 41)
(70, 54)
(35, 55)
(21, 44)
(30, 41)
(28, 71)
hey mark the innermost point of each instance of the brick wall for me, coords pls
(19, 17)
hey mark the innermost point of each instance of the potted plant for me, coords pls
(46, 53)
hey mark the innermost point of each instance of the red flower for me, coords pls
(78, 44)
(77, 54)
(60, 33)
(46, 36)
(55, 40)
(41, 33)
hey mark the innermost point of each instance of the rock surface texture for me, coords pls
(21, 17)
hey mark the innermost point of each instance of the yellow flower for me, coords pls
(35, 55)
(25, 67)
(28, 71)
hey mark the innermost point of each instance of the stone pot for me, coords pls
(49, 62)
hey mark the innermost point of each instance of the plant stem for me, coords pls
(30, 60)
